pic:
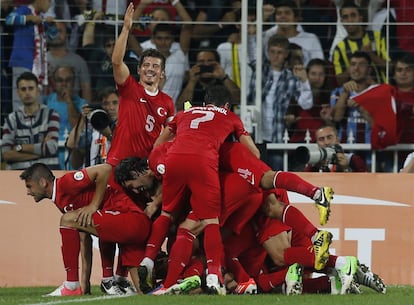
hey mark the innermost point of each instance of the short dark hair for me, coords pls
(29, 76)
(209, 50)
(291, 4)
(361, 54)
(317, 62)
(67, 67)
(350, 4)
(327, 125)
(407, 58)
(126, 169)
(37, 171)
(106, 91)
(278, 40)
(152, 53)
(163, 27)
(217, 94)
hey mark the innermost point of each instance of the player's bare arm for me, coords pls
(166, 135)
(97, 174)
(249, 143)
(120, 69)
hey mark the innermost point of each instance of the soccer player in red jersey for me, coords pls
(192, 166)
(144, 110)
(236, 158)
(118, 219)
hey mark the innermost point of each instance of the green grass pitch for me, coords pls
(396, 295)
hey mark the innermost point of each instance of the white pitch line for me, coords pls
(79, 300)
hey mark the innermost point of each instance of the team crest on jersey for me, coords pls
(161, 111)
(68, 208)
(78, 176)
(161, 169)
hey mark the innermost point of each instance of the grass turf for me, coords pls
(396, 295)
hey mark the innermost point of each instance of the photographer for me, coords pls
(206, 71)
(90, 139)
(336, 159)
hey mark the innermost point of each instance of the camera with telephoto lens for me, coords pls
(98, 117)
(313, 154)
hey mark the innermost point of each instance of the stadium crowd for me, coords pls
(102, 88)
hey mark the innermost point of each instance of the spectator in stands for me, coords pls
(72, 12)
(314, 12)
(149, 12)
(31, 133)
(327, 137)
(296, 56)
(353, 128)
(181, 31)
(389, 111)
(358, 39)
(205, 72)
(112, 10)
(6, 43)
(403, 81)
(384, 19)
(29, 43)
(176, 61)
(231, 52)
(163, 39)
(67, 103)
(287, 17)
(304, 123)
(59, 55)
(98, 43)
(280, 86)
(222, 16)
(404, 84)
(90, 147)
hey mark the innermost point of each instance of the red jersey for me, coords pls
(141, 120)
(379, 101)
(75, 190)
(202, 130)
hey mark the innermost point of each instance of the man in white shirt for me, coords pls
(288, 12)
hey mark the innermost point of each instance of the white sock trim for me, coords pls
(274, 178)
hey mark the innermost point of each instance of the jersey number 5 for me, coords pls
(150, 123)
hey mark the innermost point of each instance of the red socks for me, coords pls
(180, 256)
(302, 255)
(213, 248)
(158, 233)
(268, 281)
(294, 183)
(70, 252)
(295, 219)
(107, 250)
